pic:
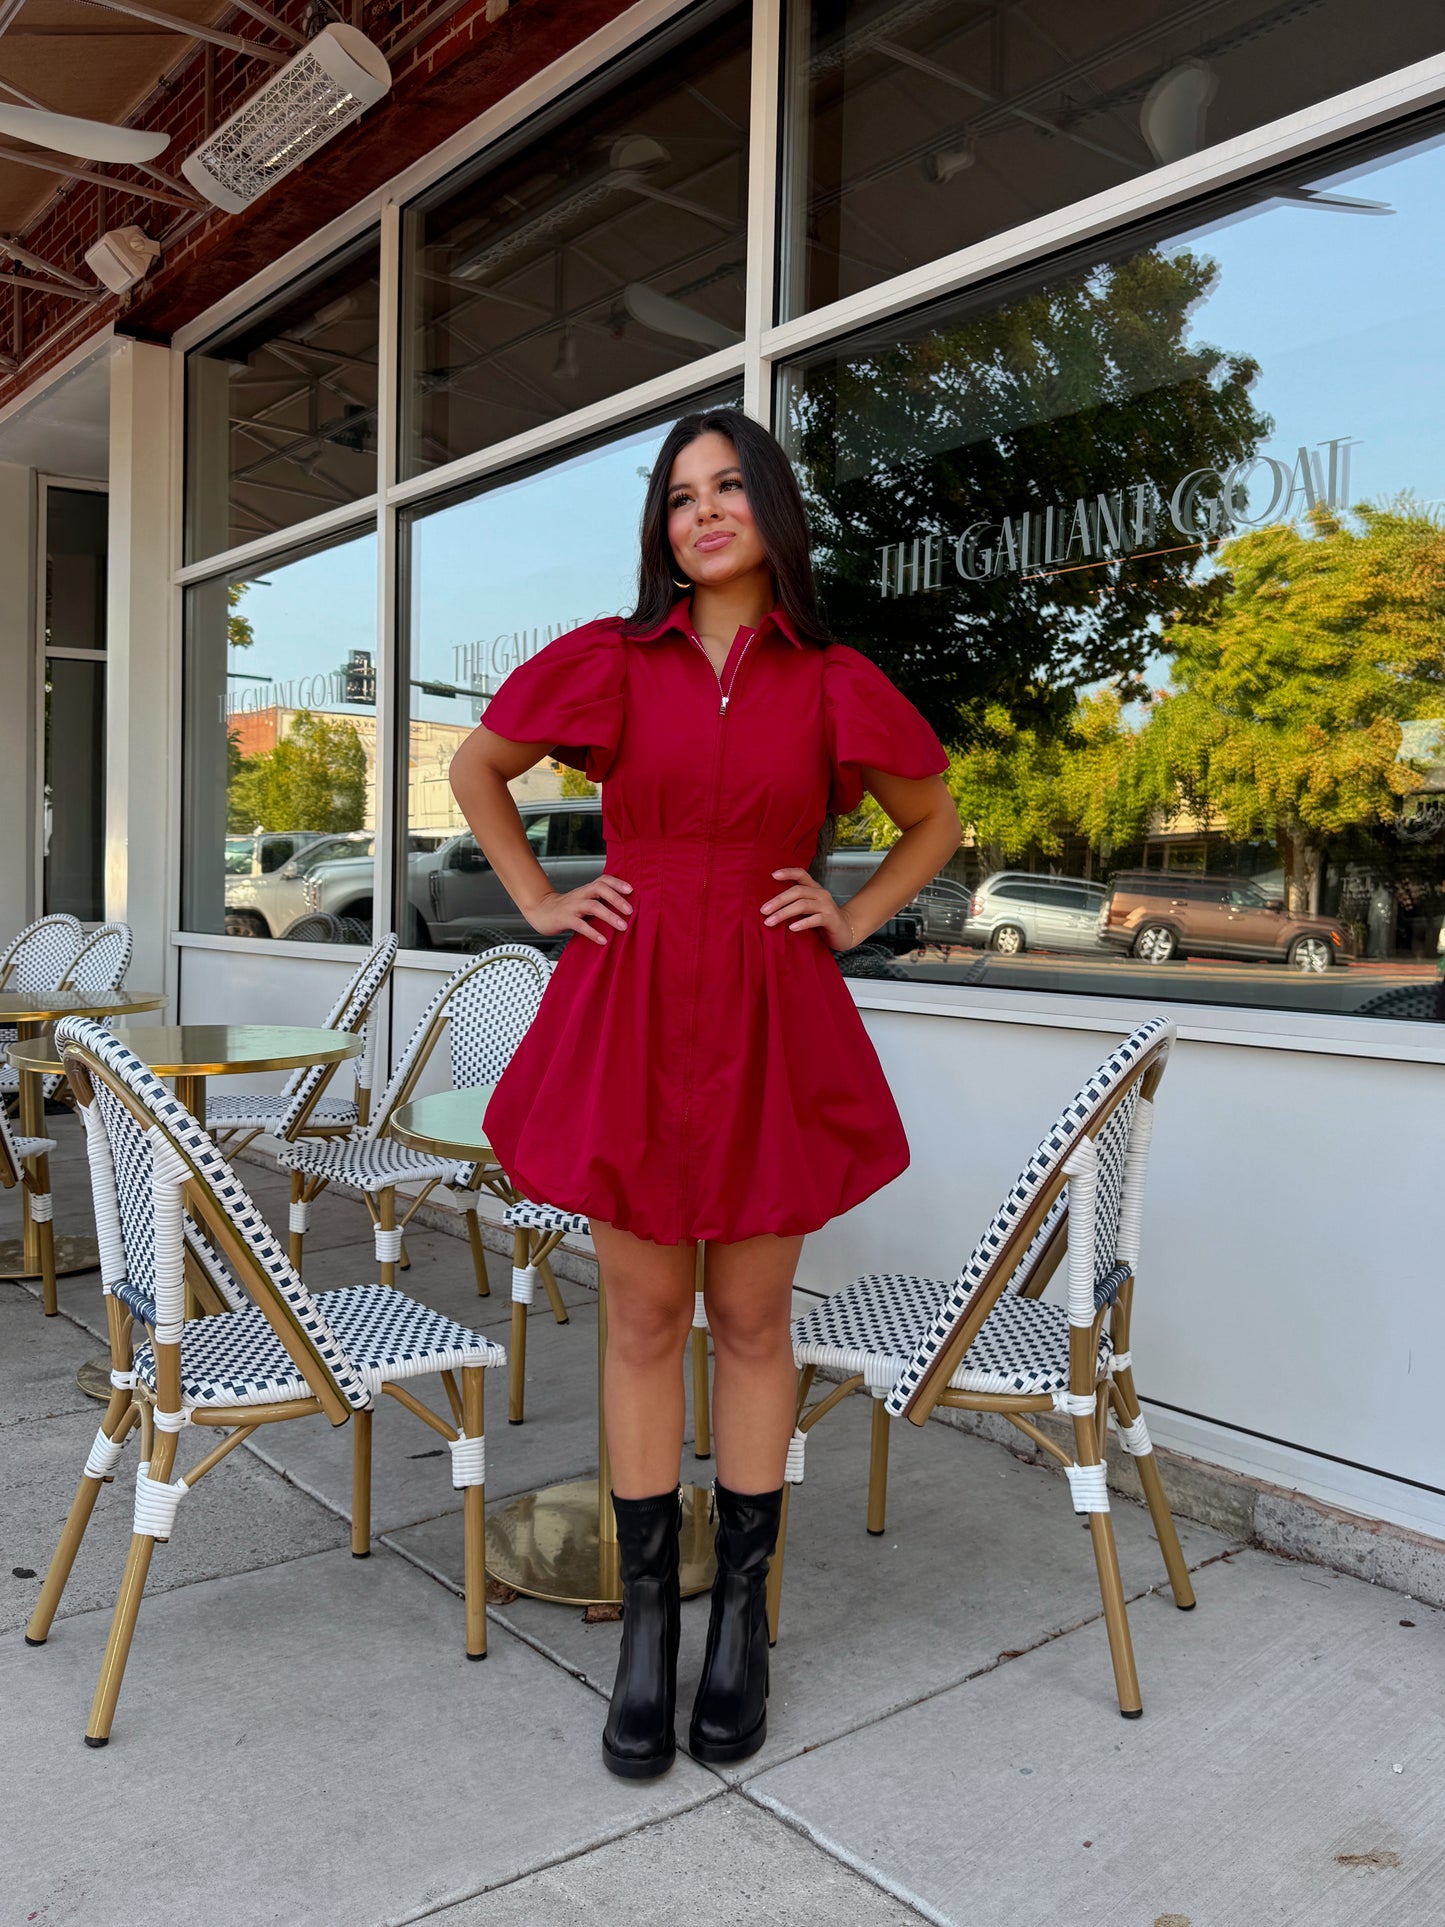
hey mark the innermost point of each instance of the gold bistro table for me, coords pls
(190, 1053)
(559, 1543)
(30, 1012)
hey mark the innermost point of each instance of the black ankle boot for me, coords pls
(638, 1741)
(730, 1713)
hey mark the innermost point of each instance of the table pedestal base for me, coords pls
(545, 1545)
(72, 1254)
(93, 1378)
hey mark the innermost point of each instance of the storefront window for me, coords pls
(921, 127)
(280, 749)
(494, 578)
(1158, 544)
(597, 254)
(76, 539)
(281, 411)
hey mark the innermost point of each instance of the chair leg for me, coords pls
(1147, 1465)
(479, 1254)
(388, 1239)
(553, 1291)
(361, 1485)
(775, 1570)
(517, 1354)
(127, 1606)
(878, 1468)
(474, 1522)
(701, 1396)
(115, 1425)
(1111, 1585)
(49, 1301)
(296, 1218)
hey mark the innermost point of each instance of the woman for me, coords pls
(698, 1069)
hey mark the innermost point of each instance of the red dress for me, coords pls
(704, 1075)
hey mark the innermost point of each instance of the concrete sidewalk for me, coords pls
(300, 1739)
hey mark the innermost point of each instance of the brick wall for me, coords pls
(455, 72)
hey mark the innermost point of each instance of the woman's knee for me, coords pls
(645, 1329)
(756, 1327)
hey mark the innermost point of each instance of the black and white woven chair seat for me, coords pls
(253, 1111)
(369, 1164)
(876, 1325)
(238, 1360)
(543, 1217)
(31, 1147)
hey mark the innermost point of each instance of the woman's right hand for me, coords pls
(607, 898)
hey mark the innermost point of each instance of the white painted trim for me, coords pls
(762, 222)
(251, 946)
(577, 64)
(1371, 1495)
(393, 695)
(89, 350)
(1317, 1033)
(610, 411)
(351, 518)
(1294, 137)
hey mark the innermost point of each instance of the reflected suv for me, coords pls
(1159, 914)
(1014, 910)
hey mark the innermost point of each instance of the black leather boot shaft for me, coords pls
(730, 1713)
(638, 1741)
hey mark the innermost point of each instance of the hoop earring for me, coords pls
(684, 584)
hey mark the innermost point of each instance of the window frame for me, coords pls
(1388, 102)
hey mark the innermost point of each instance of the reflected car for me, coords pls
(1014, 910)
(263, 905)
(258, 855)
(1157, 915)
(942, 908)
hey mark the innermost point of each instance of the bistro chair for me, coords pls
(39, 956)
(23, 1161)
(285, 1353)
(1404, 1000)
(486, 1006)
(304, 1102)
(102, 960)
(979, 1346)
(537, 1230)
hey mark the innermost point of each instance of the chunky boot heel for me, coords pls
(730, 1713)
(638, 1742)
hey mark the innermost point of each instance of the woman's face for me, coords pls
(709, 524)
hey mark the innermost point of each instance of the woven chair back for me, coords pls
(151, 1165)
(349, 1014)
(488, 1003)
(43, 952)
(1085, 1180)
(1405, 1000)
(102, 960)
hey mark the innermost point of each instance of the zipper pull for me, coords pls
(722, 708)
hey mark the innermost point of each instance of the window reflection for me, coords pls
(1158, 545)
(495, 576)
(601, 254)
(921, 126)
(281, 411)
(280, 749)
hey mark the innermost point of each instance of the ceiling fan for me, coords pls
(91, 140)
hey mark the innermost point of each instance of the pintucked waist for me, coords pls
(723, 861)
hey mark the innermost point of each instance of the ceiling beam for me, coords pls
(51, 287)
(193, 30)
(97, 180)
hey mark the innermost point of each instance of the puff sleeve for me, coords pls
(569, 696)
(871, 725)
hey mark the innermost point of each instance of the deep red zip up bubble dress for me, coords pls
(704, 1075)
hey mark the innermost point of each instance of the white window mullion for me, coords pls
(390, 697)
(763, 157)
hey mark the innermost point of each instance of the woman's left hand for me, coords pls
(806, 905)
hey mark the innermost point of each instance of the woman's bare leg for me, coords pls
(649, 1316)
(749, 1292)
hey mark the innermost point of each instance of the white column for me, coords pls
(142, 746)
(19, 884)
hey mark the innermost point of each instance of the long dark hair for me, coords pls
(777, 506)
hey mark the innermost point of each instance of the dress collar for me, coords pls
(679, 617)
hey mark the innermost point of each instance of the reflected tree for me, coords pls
(1092, 384)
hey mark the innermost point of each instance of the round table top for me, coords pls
(48, 1006)
(210, 1050)
(448, 1124)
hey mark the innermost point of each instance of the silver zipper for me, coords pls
(725, 696)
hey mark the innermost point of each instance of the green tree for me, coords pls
(1090, 384)
(1288, 694)
(574, 782)
(239, 633)
(314, 779)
